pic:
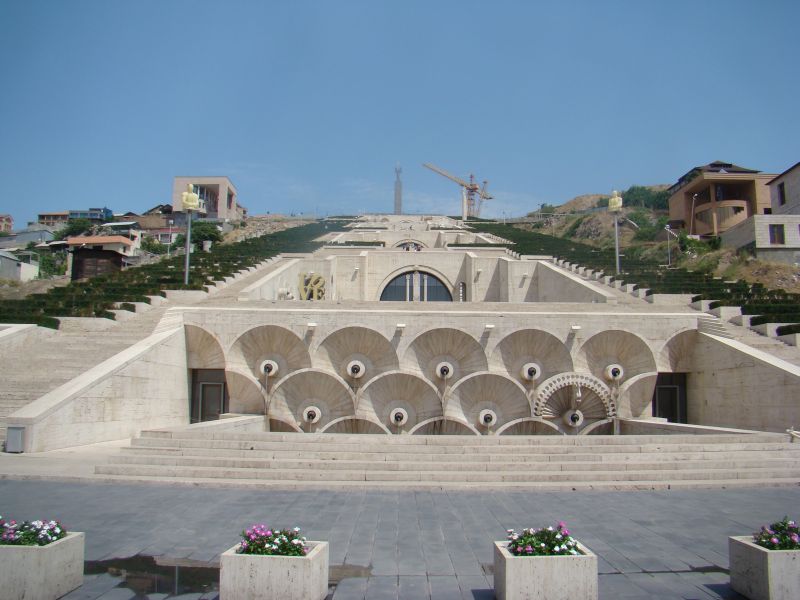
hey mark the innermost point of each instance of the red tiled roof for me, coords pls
(99, 239)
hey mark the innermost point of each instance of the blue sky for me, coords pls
(308, 106)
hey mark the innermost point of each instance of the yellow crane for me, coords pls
(472, 195)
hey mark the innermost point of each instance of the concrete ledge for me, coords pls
(702, 305)
(670, 299)
(726, 313)
(651, 427)
(768, 329)
(743, 320)
(793, 339)
(185, 295)
(86, 324)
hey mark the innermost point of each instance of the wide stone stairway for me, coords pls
(30, 371)
(294, 460)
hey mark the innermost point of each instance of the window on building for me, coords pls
(781, 193)
(416, 285)
(767, 211)
(776, 234)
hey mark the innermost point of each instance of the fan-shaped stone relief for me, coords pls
(245, 394)
(309, 388)
(203, 351)
(358, 347)
(269, 343)
(676, 355)
(445, 345)
(573, 401)
(397, 391)
(615, 347)
(487, 400)
(531, 346)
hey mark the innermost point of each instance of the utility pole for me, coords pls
(615, 207)
(398, 191)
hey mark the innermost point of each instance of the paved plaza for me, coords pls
(415, 545)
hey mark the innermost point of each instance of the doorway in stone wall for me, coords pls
(669, 397)
(209, 395)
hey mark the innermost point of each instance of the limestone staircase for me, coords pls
(296, 460)
(715, 326)
(43, 365)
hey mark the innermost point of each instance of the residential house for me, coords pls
(710, 199)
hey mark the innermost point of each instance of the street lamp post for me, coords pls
(169, 241)
(669, 254)
(614, 207)
(190, 201)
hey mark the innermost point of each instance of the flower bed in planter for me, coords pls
(274, 564)
(39, 560)
(766, 565)
(544, 564)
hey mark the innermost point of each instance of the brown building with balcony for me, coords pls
(713, 198)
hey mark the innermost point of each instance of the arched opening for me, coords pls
(416, 286)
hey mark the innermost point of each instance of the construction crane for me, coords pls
(470, 207)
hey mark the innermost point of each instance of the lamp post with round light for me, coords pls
(615, 207)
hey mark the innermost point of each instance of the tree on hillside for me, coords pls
(72, 228)
(644, 197)
(201, 231)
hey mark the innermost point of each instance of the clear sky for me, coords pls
(308, 105)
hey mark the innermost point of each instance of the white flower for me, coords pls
(558, 536)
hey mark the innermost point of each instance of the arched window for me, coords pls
(416, 285)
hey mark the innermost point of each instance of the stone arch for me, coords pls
(366, 345)
(615, 346)
(410, 241)
(450, 345)
(531, 345)
(310, 387)
(676, 355)
(269, 342)
(245, 394)
(479, 391)
(557, 395)
(414, 394)
(636, 395)
(203, 350)
(408, 268)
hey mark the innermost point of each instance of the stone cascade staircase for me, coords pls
(715, 326)
(531, 462)
(31, 371)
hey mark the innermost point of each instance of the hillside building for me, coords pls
(217, 195)
(710, 199)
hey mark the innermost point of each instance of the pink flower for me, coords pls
(774, 540)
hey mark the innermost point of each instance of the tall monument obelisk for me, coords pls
(398, 191)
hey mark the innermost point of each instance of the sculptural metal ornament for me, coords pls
(311, 286)
(191, 201)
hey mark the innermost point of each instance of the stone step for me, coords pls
(553, 448)
(531, 486)
(791, 451)
(443, 476)
(458, 441)
(493, 466)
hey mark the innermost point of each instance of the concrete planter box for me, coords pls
(258, 577)
(761, 574)
(544, 577)
(42, 572)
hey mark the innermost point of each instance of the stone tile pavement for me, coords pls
(415, 545)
